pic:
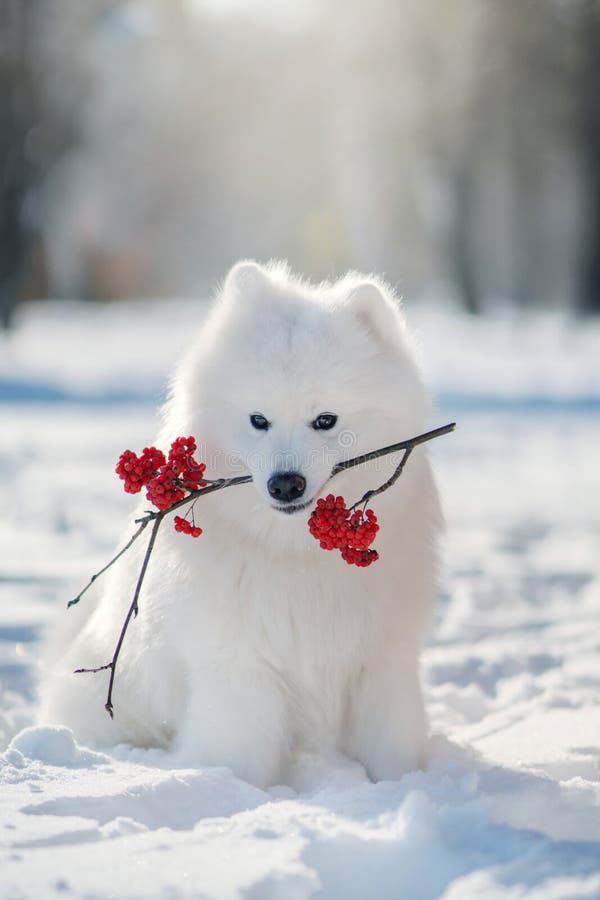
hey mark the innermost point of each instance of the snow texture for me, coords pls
(510, 804)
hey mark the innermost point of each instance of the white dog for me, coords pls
(252, 643)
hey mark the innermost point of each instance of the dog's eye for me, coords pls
(259, 421)
(324, 422)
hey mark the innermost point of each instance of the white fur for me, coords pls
(252, 643)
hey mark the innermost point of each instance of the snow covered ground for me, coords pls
(510, 805)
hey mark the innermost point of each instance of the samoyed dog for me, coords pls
(253, 645)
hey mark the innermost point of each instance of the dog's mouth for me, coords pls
(291, 508)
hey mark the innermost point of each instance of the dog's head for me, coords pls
(287, 379)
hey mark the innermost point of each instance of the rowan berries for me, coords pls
(186, 527)
(167, 479)
(152, 460)
(338, 528)
(163, 490)
(129, 468)
(181, 459)
(360, 558)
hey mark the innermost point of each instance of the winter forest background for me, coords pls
(147, 144)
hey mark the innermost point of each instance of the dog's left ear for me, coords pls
(376, 309)
(246, 277)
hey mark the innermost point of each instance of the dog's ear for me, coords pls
(376, 309)
(245, 277)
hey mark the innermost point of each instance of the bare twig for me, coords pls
(411, 443)
(210, 488)
(387, 484)
(97, 669)
(221, 483)
(156, 518)
(407, 446)
(151, 516)
(134, 537)
(132, 611)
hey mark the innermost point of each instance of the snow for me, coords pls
(509, 806)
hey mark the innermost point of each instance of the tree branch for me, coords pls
(410, 444)
(157, 518)
(134, 537)
(132, 611)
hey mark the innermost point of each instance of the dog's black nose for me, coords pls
(286, 486)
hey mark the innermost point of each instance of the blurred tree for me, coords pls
(589, 282)
(17, 105)
(514, 162)
(43, 85)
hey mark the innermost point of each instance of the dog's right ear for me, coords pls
(245, 277)
(372, 304)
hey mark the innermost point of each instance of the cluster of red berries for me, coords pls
(166, 479)
(338, 528)
(186, 527)
(136, 471)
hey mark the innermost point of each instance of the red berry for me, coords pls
(186, 527)
(163, 490)
(136, 472)
(181, 459)
(336, 528)
(151, 461)
(167, 480)
(130, 470)
(362, 558)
